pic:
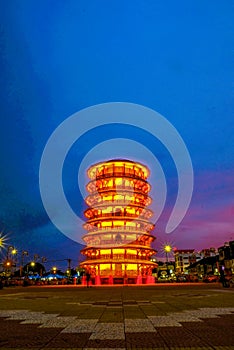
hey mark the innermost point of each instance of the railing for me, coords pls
(123, 173)
(121, 215)
(114, 202)
(121, 229)
(111, 259)
(119, 202)
(132, 187)
(114, 244)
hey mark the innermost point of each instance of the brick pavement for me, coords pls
(180, 316)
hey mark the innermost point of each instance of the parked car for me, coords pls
(166, 279)
(210, 278)
(181, 278)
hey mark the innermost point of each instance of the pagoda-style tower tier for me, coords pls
(118, 228)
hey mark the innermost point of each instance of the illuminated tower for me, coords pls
(118, 228)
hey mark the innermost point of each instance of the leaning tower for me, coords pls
(118, 239)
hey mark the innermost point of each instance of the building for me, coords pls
(184, 258)
(165, 269)
(208, 252)
(226, 255)
(118, 239)
(209, 265)
(213, 261)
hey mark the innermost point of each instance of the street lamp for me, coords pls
(9, 263)
(23, 254)
(54, 269)
(167, 249)
(10, 248)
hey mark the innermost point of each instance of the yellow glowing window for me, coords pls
(107, 198)
(132, 224)
(131, 210)
(104, 266)
(105, 251)
(128, 183)
(118, 223)
(131, 266)
(106, 224)
(118, 197)
(131, 237)
(118, 251)
(129, 198)
(107, 210)
(131, 251)
(118, 181)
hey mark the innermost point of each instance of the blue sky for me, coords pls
(58, 57)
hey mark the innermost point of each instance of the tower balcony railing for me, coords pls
(119, 215)
(116, 230)
(112, 258)
(117, 204)
(98, 204)
(141, 230)
(144, 188)
(123, 173)
(116, 244)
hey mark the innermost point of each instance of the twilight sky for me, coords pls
(58, 57)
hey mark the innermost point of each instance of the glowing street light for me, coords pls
(54, 269)
(9, 258)
(3, 239)
(8, 263)
(167, 249)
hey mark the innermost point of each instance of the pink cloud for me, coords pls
(209, 221)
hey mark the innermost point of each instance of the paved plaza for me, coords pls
(175, 316)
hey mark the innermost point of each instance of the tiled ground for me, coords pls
(180, 316)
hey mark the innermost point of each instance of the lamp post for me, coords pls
(9, 262)
(23, 254)
(10, 248)
(69, 267)
(167, 249)
(54, 269)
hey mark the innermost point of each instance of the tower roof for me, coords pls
(118, 162)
